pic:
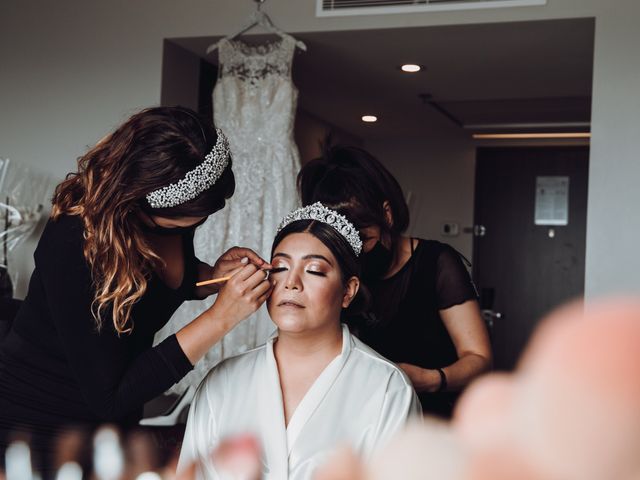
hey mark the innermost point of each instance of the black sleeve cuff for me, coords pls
(173, 356)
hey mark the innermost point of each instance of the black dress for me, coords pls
(405, 324)
(57, 370)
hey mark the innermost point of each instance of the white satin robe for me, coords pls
(359, 399)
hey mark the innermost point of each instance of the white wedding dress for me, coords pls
(254, 103)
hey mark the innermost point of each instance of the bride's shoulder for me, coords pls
(376, 364)
(235, 365)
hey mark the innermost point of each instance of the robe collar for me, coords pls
(284, 439)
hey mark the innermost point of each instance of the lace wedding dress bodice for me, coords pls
(254, 97)
(254, 103)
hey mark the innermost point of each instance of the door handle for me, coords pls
(489, 316)
(479, 230)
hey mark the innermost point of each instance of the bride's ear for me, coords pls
(350, 291)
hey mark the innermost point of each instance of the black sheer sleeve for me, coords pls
(453, 282)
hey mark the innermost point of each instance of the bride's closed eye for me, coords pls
(315, 272)
(277, 270)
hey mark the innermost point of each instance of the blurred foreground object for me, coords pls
(570, 411)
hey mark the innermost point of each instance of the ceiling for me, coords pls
(498, 77)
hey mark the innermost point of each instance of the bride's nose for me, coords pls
(293, 281)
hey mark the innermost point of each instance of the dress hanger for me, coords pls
(258, 18)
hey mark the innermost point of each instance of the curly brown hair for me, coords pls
(152, 149)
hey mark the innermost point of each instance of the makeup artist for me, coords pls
(114, 262)
(425, 314)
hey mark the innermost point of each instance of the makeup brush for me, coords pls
(223, 279)
(212, 281)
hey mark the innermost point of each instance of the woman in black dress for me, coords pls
(113, 264)
(425, 314)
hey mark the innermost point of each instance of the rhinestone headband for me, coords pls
(195, 181)
(319, 212)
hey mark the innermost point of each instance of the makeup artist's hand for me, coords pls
(235, 258)
(229, 261)
(422, 379)
(242, 294)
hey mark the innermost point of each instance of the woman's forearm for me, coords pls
(242, 295)
(458, 374)
(201, 334)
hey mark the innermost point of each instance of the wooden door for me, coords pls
(523, 270)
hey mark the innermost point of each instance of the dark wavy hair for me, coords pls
(344, 254)
(152, 149)
(352, 181)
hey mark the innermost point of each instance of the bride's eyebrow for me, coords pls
(311, 256)
(317, 256)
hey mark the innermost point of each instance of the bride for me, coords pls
(313, 385)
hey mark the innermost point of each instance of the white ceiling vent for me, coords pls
(334, 8)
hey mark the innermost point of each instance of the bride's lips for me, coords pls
(290, 303)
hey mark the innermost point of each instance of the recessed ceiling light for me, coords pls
(410, 68)
(514, 136)
(369, 118)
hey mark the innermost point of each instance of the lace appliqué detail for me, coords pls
(251, 63)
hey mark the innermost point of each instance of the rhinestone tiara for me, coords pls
(319, 212)
(195, 181)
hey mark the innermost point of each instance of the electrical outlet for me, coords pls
(450, 229)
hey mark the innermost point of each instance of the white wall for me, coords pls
(613, 219)
(71, 70)
(437, 174)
